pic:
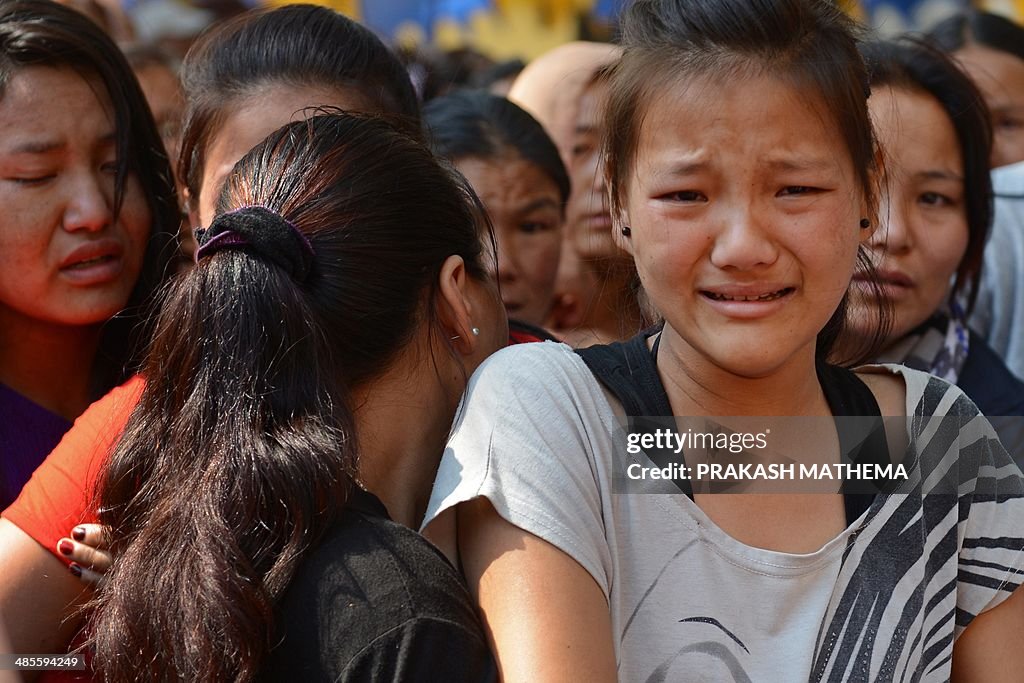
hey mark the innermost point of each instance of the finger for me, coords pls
(95, 535)
(84, 555)
(86, 575)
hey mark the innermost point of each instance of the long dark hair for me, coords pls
(295, 44)
(44, 33)
(478, 124)
(810, 43)
(241, 451)
(916, 66)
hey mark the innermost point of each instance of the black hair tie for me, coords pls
(263, 232)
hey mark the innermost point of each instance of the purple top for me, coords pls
(28, 432)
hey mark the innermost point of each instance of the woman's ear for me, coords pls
(621, 232)
(870, 206)
(455, 306)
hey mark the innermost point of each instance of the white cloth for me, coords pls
(884, 599)
(999, 312)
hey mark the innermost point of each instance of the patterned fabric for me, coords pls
(938, 347)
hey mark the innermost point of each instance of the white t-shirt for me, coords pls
(884, 600)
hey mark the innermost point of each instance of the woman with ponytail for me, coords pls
(243, 79)
(301, 383)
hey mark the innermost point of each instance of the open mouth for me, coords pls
(769, 296)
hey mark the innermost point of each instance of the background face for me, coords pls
(525, 208)
(744, 243)
(63, 257)
(1000, 77)
(923, 231)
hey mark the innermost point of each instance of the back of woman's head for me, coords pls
(915, 66)
(320, 269)
(40, 33)
(477, 124)
(980, 28)
(809, 44)
(298, 45)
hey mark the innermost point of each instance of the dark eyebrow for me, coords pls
(940, 175)
(542, 203)
(685, 168)
(800, 164)
(47, 146)
(36, 147)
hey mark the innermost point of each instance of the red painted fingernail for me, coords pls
(75, 569)
(78, 533)
(66, 547)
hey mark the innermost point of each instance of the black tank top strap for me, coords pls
(630, 372)
(862, 441)
(627, 369)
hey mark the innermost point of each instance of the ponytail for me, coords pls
(320, 268)
(248, 453)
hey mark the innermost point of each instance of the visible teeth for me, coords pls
(763, 297)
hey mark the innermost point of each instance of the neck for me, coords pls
(613, 314)
(402, 424)
(696, 386)
(47, 363)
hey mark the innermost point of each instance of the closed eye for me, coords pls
(31, 180)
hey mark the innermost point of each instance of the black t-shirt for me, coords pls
(375, 601)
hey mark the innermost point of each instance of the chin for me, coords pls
(91, 313)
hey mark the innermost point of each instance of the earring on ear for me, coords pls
(865, 224)
(475, 331)
(626, 231)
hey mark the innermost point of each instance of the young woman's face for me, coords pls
(744, 213)
(923, 231)
(64, 258)
(1000, 77)
(526, 209)
(249, 121)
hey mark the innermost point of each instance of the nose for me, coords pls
(90, 203)
(743, 242)
(893, 235)
(508, 264)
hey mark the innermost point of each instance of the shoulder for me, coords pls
(369, 577)
(544, 368)
(525, 359)
(922, 394)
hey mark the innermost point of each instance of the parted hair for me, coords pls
(306, 45)
(43, 33)
(811, 44)
(915, 65)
